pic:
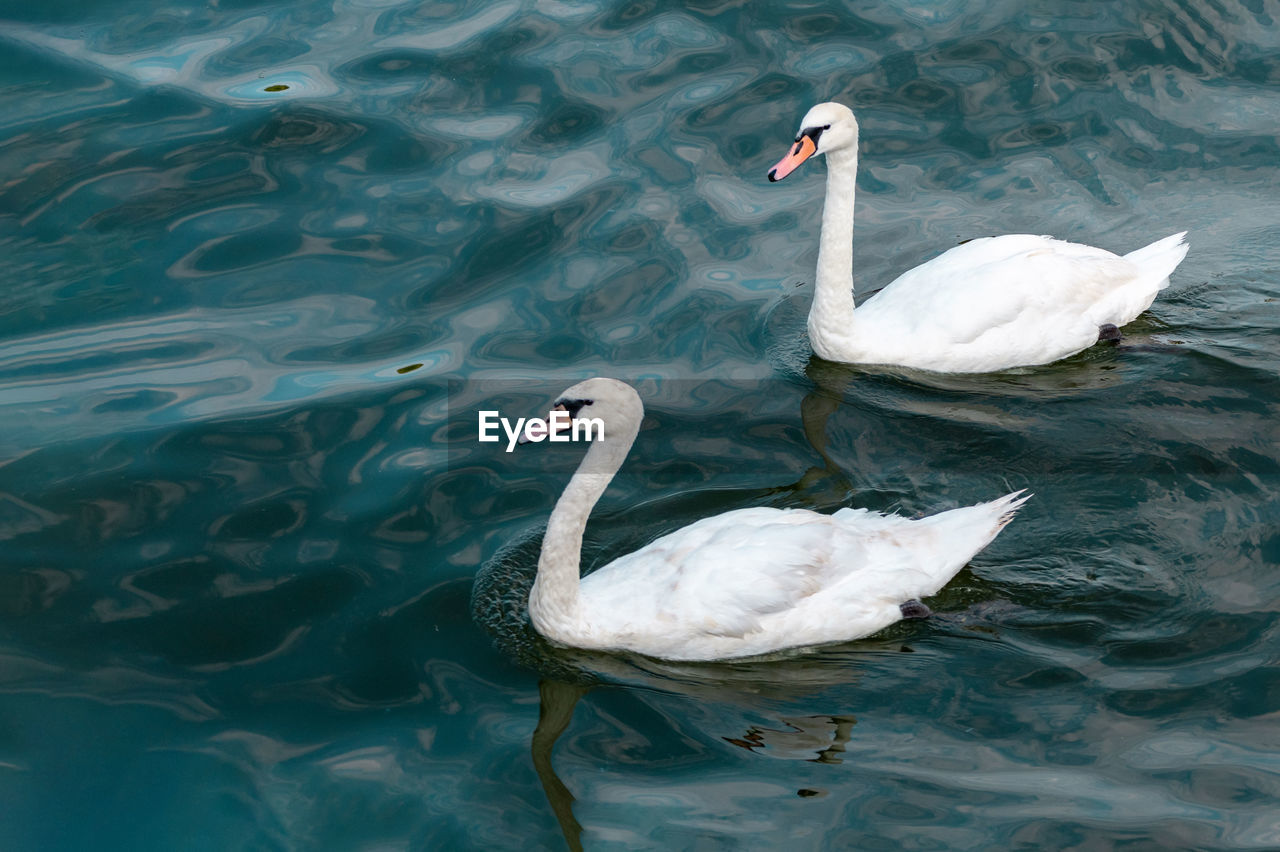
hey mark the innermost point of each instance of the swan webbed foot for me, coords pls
(915, 609)
(1109, 333)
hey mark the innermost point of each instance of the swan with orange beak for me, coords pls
(988, 304)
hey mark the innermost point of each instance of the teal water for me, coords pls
(240, 534)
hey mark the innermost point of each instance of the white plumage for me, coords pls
(744, 583)
(989, 304)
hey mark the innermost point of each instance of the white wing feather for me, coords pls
(755, 580)
(1014, 299)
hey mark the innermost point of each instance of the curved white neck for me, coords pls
(831, 317)
(553, 601)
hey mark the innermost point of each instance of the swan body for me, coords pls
(743, 583)
(986, 305)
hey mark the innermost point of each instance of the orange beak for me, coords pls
(803, 150)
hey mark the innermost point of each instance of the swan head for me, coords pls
(615, 404)
(826, 128)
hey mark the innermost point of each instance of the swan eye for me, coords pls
(826, 127)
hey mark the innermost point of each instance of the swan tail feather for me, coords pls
(1159, 259)
(1009, 505)
(974, 527)
(963, 533)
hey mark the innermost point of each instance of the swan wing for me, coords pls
(1014, 299)
(722, 574)
(756, 580)
(966, 292)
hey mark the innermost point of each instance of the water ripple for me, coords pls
(267, 261)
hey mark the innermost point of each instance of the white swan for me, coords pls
(988, 304)
(744, 583)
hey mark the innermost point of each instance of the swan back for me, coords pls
(757, 580)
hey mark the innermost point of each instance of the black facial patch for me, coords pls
(813, 133)
(573, 406)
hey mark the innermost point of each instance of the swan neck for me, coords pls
(832, 312)
(553, 602)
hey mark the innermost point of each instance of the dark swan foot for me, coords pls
(1109, 333)
(915, 609)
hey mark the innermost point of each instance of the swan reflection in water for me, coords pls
(500, 597)
(745, 689)
(818, 739)
(802, 733)
(501, 591)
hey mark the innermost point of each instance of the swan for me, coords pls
(987, 304)
(744, 583)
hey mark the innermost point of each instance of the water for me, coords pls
(240, 533)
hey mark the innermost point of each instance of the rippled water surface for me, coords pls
(263, 262)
